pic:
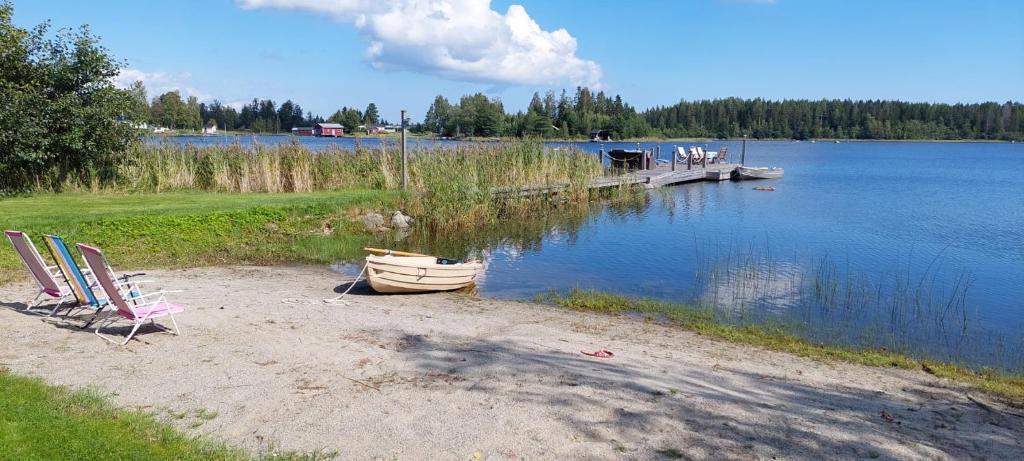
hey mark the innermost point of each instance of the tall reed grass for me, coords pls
(920, 310)
(450, 187)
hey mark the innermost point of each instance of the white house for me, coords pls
(210, 127)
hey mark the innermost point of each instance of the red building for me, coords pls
(302, 131)
(328, 129)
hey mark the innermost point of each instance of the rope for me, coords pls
(356, 280)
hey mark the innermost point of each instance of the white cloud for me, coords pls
(158, 83)
(456, 39)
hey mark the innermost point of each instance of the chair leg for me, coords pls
(32, 304)
(103, 323)
(129, 338)
(60, 302)
(177, 331)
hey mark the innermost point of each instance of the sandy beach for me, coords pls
(264, 364)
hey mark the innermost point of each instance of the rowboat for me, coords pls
(400, 272)
(757, 172)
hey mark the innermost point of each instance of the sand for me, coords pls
(265, 364)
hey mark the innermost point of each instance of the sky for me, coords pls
(400, 54)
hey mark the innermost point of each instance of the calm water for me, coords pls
(915, 246)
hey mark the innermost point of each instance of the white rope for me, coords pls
(337, 298)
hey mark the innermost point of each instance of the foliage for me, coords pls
(452, 188)
(705, 322)
(170, 111)
(802, 119)
(476, 115)
(61, 116)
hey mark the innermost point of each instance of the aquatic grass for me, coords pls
(450, 186)
(289, 167)
(453, 187)
(707, 321)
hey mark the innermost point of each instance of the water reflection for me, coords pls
(841, 253)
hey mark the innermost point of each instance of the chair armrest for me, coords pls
(151, 294)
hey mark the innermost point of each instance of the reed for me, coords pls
(450, 186)
(923, 312)
(232, 168)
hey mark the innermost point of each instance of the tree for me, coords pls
(61, 118)
(169, 111)
(371, 117)
(140, 102)
(438, 116)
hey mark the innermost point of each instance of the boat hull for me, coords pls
(398, 274)
(757, 173)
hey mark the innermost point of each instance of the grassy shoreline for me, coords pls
(87, 425)
(192, 229)
(1005, 386)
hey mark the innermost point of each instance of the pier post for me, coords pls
(674, 150)
(689, 161)
(405, 157)
(743, 154)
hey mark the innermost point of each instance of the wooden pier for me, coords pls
(661, 175)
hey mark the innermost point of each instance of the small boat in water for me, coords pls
(400, 272)
(757, 172)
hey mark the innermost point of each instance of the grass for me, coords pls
(43, 422)
(189, 229)
(185, 206)
(704, 321)
(450, 186)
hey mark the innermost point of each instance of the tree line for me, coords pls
(170, 110)
(549, 116)
(562, 116)
(803, 119)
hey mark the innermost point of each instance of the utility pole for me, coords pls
(405, 157)
(743, 154)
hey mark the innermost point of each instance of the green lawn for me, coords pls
(188, 229)
(42, 422)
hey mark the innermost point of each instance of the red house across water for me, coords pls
(328, 129)
(302, 131)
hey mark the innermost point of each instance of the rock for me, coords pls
(401, 221)
(373, 221)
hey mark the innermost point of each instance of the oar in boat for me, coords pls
(393, 252)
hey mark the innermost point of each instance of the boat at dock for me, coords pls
(399, 272)
(757, 172)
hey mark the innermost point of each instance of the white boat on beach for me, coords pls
(394, 273)
(757, 172)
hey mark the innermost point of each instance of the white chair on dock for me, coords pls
(681, 155)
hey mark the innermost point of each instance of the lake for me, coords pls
(914, 246)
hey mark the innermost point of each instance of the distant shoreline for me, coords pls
(582, 140)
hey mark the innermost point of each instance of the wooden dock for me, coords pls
(661, 175)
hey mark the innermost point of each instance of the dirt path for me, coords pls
(264, 362)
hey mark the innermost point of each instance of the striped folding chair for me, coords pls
(44, 276)
(77, 278)
(130, 303)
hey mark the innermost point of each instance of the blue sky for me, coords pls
(334, 53)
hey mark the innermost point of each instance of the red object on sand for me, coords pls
(602, 353)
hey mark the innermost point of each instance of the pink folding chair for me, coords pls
(45, 276)
(132, 305)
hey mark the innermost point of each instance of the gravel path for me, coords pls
(264, 363)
